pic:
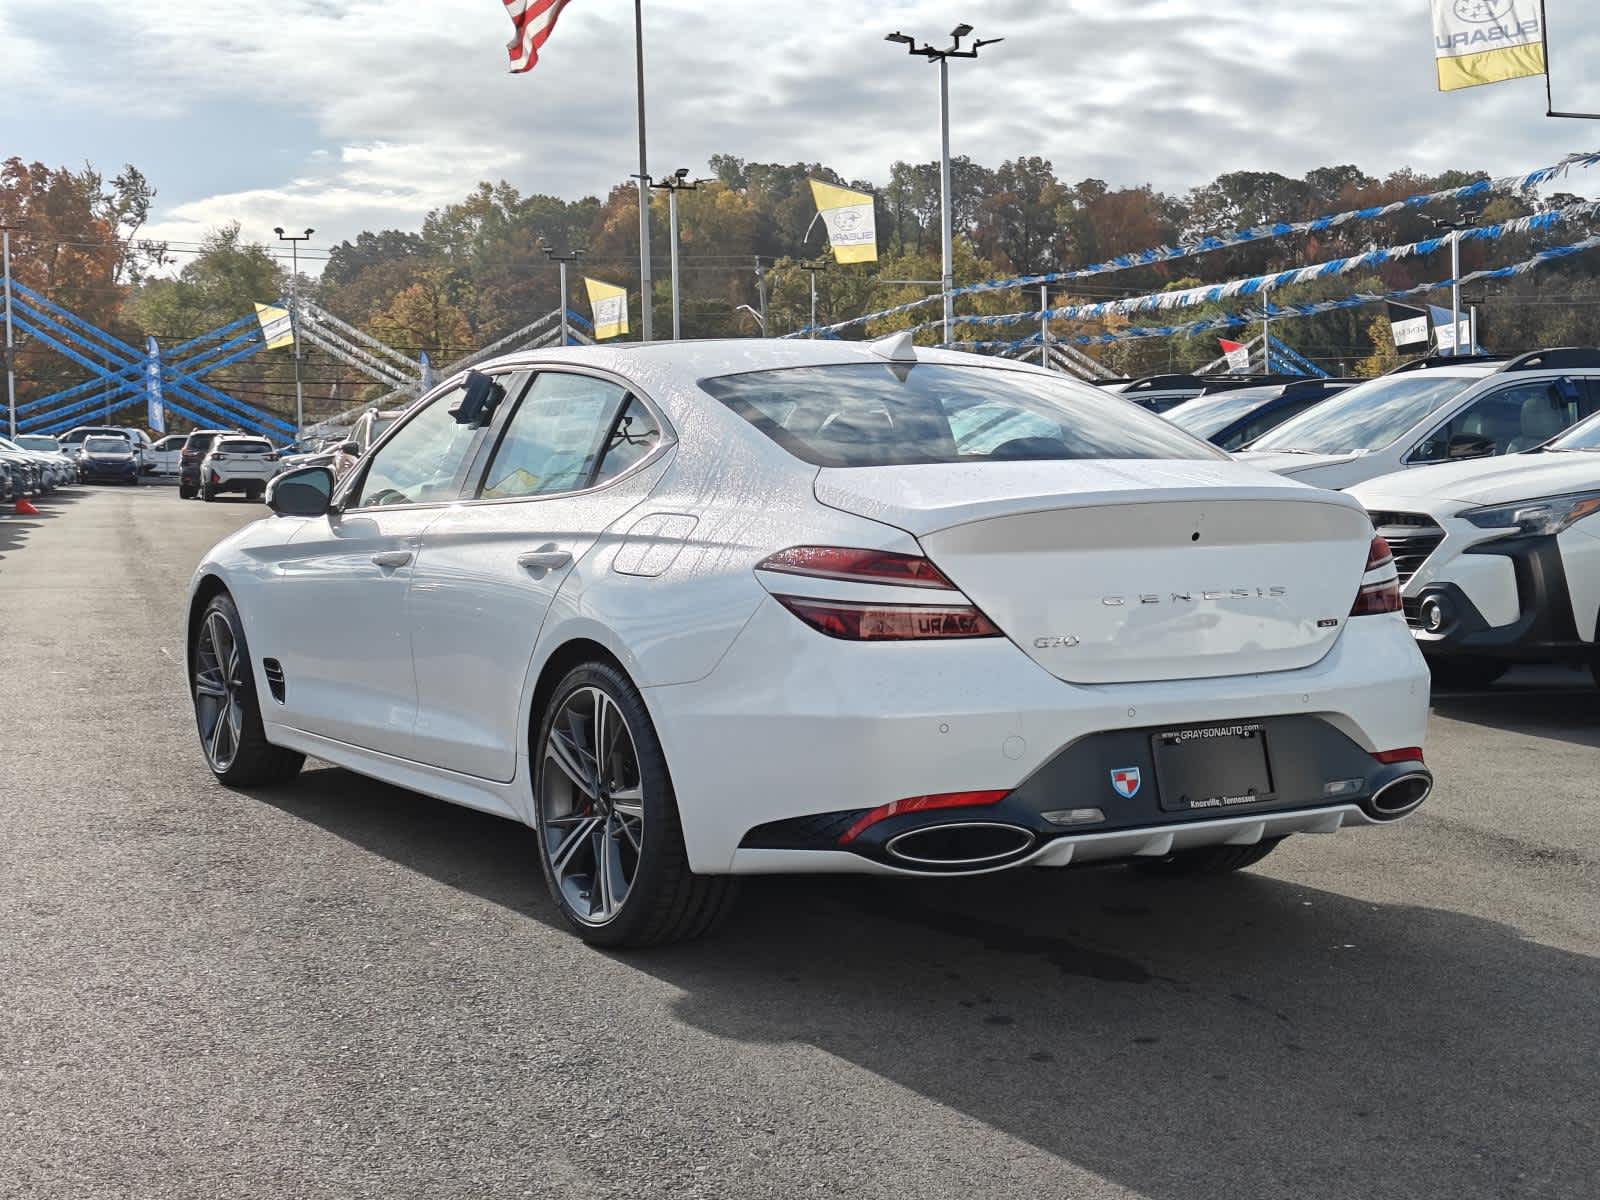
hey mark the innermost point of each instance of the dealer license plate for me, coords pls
(1213, 767)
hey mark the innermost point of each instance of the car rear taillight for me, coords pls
(219, 458)
(1406, 754)
(1382, 594)
(857, 566)
(911, 804)
(853, 621)
(272, 457)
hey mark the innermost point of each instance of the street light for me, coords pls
(760, 320)
(571, 256)
(677, 182)
(1454, 228)
(294, 321)
(946, 212)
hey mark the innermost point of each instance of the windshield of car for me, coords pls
(200, 441)
(1367, 417)
(1583, 436)
(867, 415)
(107, 445)
(242, 446)
(1206, 415)
(47, 445)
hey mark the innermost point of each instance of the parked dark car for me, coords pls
(1234, 418)
(194, 453)
(109, 459)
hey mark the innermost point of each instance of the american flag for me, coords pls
(535, 21)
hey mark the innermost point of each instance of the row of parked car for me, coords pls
(1480, 472)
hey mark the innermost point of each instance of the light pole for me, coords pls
(646, 280)
(761, 293)
(11, 371)
(677, 182)
(561, 260)
(812, 269)
(760, 320)
(294, 321)
(946, 208)
(1454, 228)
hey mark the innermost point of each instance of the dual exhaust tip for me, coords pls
(980, 845)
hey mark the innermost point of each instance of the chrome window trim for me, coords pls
(669, 438)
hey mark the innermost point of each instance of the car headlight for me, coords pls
(1547, 515)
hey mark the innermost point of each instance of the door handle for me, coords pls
(390, 559)
(545, 558)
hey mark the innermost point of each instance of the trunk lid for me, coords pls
(1120, 572)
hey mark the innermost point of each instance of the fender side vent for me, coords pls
(274, 672)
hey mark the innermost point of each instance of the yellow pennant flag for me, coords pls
(610, 305)
(852, 225)
(277, 330)
(1486, 41)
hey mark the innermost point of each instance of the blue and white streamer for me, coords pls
(1241, 237)
(1280, 311)
(1211, 294)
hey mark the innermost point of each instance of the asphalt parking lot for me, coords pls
(342, 989)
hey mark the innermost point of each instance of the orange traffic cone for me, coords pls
(24, 509)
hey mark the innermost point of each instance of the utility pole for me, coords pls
(1044, 326)
(1454, 229)
(677, 182)
(561, 260)
(761, 291)
(646, 281)
(812, 269)
(11, 372)
(946, 203)
(294, 321)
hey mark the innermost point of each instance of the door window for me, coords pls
(1508, 421)
(424, 462)
(559, 435)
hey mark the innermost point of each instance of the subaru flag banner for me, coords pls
(277, 327)
(1410, 325)
(610, 304)
(1486, 41)
(156, 417)
(1237, 354)
(852, 225)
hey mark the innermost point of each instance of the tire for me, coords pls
(254, 493)
(226, 706)
(1208, 860)
(208, 493)
(1465, 673)
(577, 827)
(185, 492)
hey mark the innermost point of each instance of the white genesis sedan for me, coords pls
(699, 610)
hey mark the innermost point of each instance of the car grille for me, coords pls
(1412, 537)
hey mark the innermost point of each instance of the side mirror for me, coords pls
(1469, 445)
(352, 448)
(306, 492)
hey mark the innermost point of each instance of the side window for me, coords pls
(556, 437)
(1499, 423)
(425, 460)
(636, 435)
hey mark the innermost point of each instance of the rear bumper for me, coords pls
(792, 725)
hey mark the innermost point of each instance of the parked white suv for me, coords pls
(162, 458)
(238, 464)
(1434, 410)
(1499, 559)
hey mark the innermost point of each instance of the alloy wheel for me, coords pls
(591, 805)
(218, 691)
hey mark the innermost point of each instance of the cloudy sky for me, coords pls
(367, 113)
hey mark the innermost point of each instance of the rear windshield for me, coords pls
(48, 444)
(1367, 417)
(1207, 415)
(243, 446)
(870, 415)
(200, 441)
(107, 445)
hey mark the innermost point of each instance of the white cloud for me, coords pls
(367, 113)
